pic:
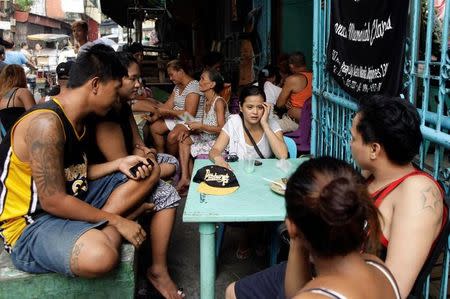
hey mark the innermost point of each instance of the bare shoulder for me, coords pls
(23, 91)
(44, 120)
(36, 128)
(297, 82)
(331, 283)
(371, 257)
(43, 127)
(420, 192)
(221, 103)
(295, 79)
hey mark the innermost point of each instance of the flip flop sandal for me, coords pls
(243, 254)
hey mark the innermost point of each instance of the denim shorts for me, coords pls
(268, 283)
(46, 244)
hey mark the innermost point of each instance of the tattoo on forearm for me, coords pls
(46, 147)
(431, 199)
(74, 260)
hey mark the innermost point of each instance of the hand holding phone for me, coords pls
(133, 170)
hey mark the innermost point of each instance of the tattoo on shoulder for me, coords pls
(431, 199)
(45, 142)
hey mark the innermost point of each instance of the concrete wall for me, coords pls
(297, 27)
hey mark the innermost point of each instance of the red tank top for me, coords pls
(380, 195)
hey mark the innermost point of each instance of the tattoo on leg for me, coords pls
(431, 199)
(74, 266)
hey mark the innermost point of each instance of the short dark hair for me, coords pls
(297, 59)
(98, 61)
(216, 77)
(329, 203)
(23, 44)
(126, 59)
(251, 90)
(392, 122)
(9, 45)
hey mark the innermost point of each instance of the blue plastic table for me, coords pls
(253, 201)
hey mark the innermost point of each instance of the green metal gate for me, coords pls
(427, 85)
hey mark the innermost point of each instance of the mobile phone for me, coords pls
(258, 163)
(134, 169)
(231, 158)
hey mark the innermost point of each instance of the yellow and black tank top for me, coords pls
(19, 201)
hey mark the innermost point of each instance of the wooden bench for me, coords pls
(120, 283)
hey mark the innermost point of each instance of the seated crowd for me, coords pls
(69, 195)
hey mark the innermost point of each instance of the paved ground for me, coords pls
(184, 259)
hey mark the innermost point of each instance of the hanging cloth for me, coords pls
(366, 45)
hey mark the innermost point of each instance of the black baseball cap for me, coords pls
(63, 70)
(216, 180)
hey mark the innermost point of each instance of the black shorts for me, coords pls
(268, 283)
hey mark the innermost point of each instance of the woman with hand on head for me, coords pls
(252, 123)
(330, 217)
(202, 134)
(185, 97)
(254, 117)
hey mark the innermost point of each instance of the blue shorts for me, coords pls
(46, 244)
(268, 283)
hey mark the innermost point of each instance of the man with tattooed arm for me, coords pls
(57, 214)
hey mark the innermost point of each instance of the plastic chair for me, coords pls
(421, 286)
(291, 146)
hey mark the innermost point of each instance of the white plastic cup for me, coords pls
(249, 165)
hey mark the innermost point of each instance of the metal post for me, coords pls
(207, 260)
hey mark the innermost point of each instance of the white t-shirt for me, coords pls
(237, 145)
(272, 92)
